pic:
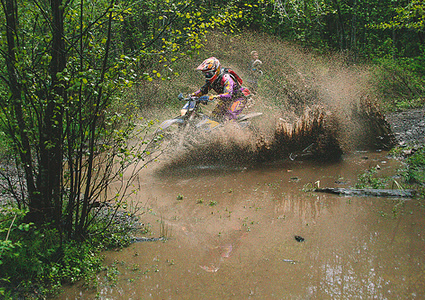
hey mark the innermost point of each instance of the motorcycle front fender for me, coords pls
(208, 124)
(168, 123)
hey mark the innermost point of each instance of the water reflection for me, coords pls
(231, 236)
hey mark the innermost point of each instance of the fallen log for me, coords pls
(146, 239)
(368, 192)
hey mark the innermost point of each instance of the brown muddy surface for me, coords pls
(231, 235)
(408, 126)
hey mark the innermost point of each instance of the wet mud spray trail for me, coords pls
(241, 223)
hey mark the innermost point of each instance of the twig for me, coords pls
(10, 228)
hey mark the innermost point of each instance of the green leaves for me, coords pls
(411, 16)
(416, 167)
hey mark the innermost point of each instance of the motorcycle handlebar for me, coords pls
(189, 98)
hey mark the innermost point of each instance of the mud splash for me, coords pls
(313, 106)
(316, 135)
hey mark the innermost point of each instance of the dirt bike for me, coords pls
(192, 120)
(191, 115)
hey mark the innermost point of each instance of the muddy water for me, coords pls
(231, 235)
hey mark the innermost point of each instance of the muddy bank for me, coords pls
(408, 126)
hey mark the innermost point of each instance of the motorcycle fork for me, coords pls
(186, 127)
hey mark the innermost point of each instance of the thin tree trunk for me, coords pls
(86, 209)
(24, 149)
(354, 31)
(343, 44)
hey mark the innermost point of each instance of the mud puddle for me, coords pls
(231, 235)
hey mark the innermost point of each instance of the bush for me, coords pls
(401, 82)
(416, 167)
(35, 260)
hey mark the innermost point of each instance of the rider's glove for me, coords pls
(212, 98)
(204, 99)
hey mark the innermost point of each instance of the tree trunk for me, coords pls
(51, 144)
(21, 139)
(343, 43)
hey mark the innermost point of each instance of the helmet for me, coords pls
(211, 68)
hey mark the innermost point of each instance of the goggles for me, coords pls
(209, 74)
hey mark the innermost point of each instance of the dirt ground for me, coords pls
(408, 127)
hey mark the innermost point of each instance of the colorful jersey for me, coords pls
(225, 86)
(231, 96)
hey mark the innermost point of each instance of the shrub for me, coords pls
(416, 167)
(401, 82)
(36, 261)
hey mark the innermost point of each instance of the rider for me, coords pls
(231, 95)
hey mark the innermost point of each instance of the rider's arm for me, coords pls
(202, 91)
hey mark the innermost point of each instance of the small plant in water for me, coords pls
(397, 208)
(180, 197)
(368, 179)
(308, 187)
(213, 203)
(135, 267)
(112, 274)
